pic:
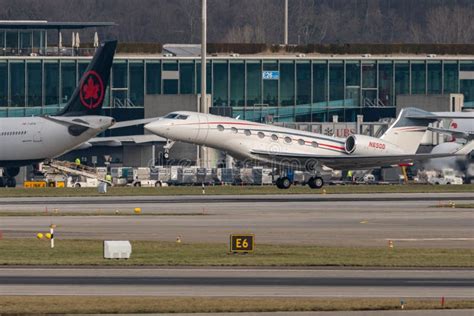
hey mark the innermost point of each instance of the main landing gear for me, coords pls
(315, 182)
(8, 179)
(285, 181)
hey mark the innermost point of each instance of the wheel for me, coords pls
(11, 183)
(77, 185)
(316, 182)
(2, 182)
(283, 183)
(137, 184)
(158, 184)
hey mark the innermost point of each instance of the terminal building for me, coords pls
(38, 73)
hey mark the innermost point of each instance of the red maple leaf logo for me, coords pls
(90, 89)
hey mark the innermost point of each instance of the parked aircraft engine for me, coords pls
(366, 145)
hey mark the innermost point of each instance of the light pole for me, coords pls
(203, 108)
(202, 153)
(286, 23)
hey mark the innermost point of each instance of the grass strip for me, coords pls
(234, 190)
(161, 253)
(96, 213)
(125, 305)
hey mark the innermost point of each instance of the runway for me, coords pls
(267, 198)
(221, 282)
(298, 220)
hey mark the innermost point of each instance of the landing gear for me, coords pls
(7, 182)
(315, 182)
(283, 183)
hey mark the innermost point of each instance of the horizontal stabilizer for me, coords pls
(455, 133)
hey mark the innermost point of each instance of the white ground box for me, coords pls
(117, 249)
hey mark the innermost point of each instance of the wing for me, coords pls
(133, 122)
(351, 162)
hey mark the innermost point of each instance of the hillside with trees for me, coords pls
(261, 21)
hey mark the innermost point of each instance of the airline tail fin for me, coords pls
(408, 129)
(89, 95)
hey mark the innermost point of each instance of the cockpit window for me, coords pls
(171, 116)
(176, 116)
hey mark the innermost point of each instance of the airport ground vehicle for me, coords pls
(446, 176)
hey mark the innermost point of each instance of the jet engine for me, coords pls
(367, 145)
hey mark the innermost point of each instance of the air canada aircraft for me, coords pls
(29, 140)
(305, 150)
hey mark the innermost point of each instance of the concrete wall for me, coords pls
(432, 103)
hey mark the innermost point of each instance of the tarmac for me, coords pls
(409, 220)
(235, 282)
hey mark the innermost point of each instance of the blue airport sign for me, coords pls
(270, 75)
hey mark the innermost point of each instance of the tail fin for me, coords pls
(408, 129)
(88, 97)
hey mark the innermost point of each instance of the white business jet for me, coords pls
(306, 150)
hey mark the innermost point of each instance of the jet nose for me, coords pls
(158, 127)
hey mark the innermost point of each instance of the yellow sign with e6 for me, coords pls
(242, 242)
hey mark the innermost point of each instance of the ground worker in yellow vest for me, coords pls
(78, 162)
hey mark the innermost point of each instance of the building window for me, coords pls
(369, 75)
(287, 83)
(451, 76)
(3, 84)
(51, 82)
(119, 81)
(402, 77)
(34, 82)
(434, 77)
(137, 95)
(68, 77)
(320, 83)
(270, 86)
(336, 80)
(467, 85)
(237, 83)
(170, 75)
(386, 83)
(153, 77)
(254, 82)
(186, 77)
(220, 73)
(418, 77)
(17, 83)
(303, 82)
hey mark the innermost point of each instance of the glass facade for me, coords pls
(286, 89)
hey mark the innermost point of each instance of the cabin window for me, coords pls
(274, 137)
(314, 144)
(220, 128)
(287, 140)
(248, 132)
(261, 135)
(234, 130)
